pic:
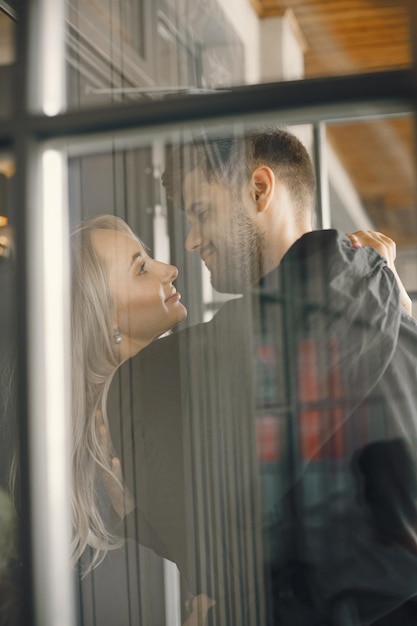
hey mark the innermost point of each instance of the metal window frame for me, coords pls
(25, 133)
(337, 99)
(7, 8)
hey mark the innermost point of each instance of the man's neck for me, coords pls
(280, 245)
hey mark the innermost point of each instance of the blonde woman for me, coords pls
(122, 299)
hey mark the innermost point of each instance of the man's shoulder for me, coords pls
(315, 255)
(320, 243)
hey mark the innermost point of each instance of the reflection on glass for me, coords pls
(9, 558)
(379, 160)
(132, 49)
(7, 38)
(8, 554)
(338, 46)
(141, 50)
(259, 467)
(7, 58)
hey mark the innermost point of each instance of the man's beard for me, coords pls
(238, 263)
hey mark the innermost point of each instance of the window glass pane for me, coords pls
(7, 58)
(353, 37)
(379, 160)
(249, 460)
(134, 50)
(10, 559)
(266, 442)
(137, 50)
(7, 30)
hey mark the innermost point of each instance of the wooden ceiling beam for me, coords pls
(337, 11)
(345, 62)
(328, 9)
(343, 67)
(366, 44)
(335, 8)
(265, 11)
(351, 26)
(354, 63)
(313, 4)
(361, 40)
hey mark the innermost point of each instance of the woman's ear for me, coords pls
(262, 183)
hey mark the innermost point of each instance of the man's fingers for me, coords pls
(387, 248)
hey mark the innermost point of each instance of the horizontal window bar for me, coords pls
(321, 99)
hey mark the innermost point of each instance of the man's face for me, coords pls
(224, 232)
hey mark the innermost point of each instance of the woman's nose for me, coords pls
(169, 273)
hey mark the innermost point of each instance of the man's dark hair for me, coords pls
(231, 159)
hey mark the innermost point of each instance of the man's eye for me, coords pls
(202, 215)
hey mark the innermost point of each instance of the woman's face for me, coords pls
(146, 303)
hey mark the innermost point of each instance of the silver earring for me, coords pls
(117, 335)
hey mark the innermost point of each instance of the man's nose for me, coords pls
(193, 239)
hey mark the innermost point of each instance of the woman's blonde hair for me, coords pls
(94, 362)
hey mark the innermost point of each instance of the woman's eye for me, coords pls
(141, 269)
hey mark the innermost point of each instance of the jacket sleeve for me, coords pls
(342, 317)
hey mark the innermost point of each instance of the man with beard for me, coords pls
(257, 441)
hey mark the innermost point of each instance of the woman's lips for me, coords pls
(174, 297)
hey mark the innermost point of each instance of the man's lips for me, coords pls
(206, 255)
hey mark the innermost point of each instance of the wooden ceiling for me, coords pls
(379, 158)
(348, 36)
(7, 34)
(357, 36)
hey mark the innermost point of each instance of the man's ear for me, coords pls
(262, 184)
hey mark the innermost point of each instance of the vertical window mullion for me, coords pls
(43, 218)
(46, 58)
(323, 218)
(49, 390)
